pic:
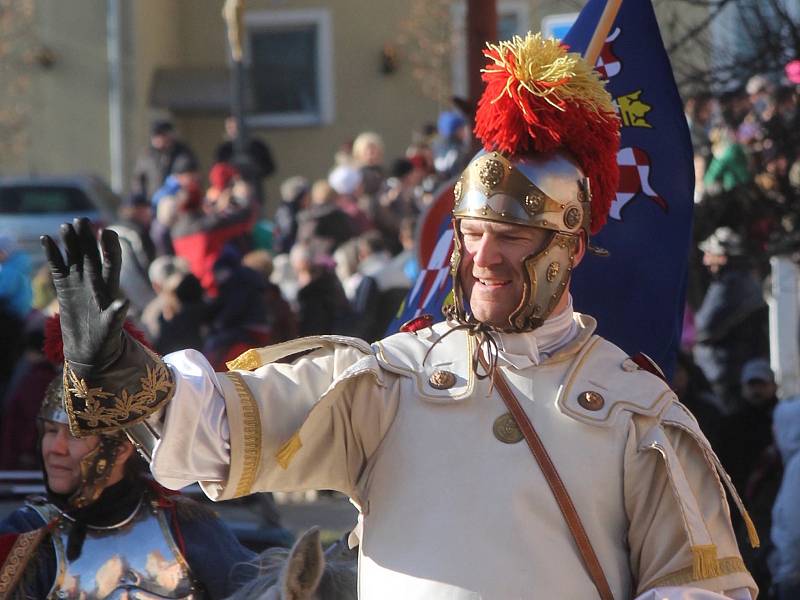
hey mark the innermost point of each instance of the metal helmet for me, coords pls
(548, 128)
(96, 466)
(52, 408)
(546, 191)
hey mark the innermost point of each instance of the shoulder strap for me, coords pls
(648, 364)
(556, 484)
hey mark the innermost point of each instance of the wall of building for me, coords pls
(69, 124)
(70, 131)
(364, 98)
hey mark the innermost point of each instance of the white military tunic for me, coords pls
(448, 510)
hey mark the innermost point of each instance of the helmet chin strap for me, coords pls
(96, 468)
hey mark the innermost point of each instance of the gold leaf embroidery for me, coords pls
(124, 408)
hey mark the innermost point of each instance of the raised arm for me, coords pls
(268, 424)
(111, 381)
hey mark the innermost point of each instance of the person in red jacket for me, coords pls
(199, 236)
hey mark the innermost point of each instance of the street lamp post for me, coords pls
(233, 14)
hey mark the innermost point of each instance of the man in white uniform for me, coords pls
(504, 453)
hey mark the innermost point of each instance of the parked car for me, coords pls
(31, 206)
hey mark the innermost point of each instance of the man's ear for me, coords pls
(583, 242)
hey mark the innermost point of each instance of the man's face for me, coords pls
(161, 141)
(714, 262)
(187, 178)
(231, 127)
(491, 269)
(758, 392)
(62, 454)
(142, 214)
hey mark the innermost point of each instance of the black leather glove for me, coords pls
(111, 381)
(92, 312)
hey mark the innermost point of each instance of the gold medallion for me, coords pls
(552, 271)
(572, 218)
(506, 430)
(591, 400)
(457, 191)
(491, 173)
(533, 201)
(442, 380)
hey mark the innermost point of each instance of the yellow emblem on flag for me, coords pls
(632, 110)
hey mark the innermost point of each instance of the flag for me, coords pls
(434, 246)
(637, 293)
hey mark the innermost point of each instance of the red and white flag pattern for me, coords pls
(608, 64)
(433, 277)
(634, 177)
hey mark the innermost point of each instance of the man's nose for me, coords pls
(61, 442)
(488, 252)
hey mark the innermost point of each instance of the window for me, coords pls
(290, 68)
(513, 18)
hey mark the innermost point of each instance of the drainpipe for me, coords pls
(116, 126)
(784, 324)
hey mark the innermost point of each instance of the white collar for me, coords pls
(522, 350)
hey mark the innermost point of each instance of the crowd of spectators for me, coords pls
(204, 268)
(747, 165)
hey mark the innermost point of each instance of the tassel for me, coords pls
(704, 562)
(752, 534)
(288, 450)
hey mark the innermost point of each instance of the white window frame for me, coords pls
(458, 11)
(265, 20)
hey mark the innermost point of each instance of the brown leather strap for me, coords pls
(554, 481)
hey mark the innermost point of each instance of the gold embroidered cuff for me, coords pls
(120, 397)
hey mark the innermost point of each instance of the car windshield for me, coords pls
(38, 200)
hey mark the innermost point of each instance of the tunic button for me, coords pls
(591, 400)
(506, 430)
(442, 380)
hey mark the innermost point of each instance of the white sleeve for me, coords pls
(691, 593)
(195, 440)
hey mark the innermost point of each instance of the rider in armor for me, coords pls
(106, 530)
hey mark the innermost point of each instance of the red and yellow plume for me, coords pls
(540, 98)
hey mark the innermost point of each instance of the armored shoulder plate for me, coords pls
(436, 357)
(603, 382)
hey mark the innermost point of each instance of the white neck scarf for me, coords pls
(521, 350)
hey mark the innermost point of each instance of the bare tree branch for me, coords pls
(768, 37)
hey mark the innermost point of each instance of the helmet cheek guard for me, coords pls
(547, 275)
(96, 466)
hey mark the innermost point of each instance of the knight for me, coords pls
(104, 528)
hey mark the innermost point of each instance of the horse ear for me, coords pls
(303, 570)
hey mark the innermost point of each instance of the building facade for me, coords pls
(320, 72)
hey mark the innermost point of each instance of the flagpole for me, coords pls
(601, 32)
